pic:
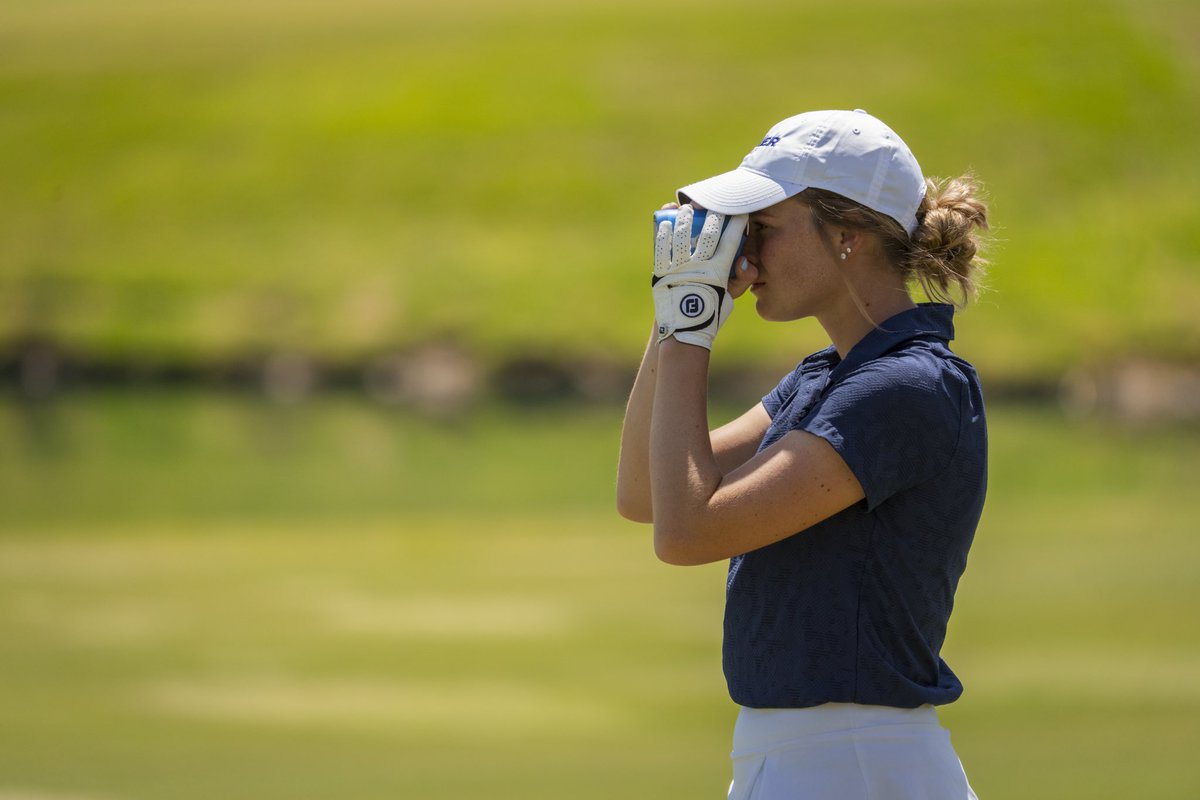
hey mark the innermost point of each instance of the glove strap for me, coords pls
(689, 308)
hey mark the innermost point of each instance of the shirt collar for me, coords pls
(927, 319)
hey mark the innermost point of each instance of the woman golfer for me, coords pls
(847, 500)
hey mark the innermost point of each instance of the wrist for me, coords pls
(675, 348)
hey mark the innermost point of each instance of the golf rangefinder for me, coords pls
(698, 215)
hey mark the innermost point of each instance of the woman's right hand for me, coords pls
(742, 277)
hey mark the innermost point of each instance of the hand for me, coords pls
(691, 297)
(741, 277)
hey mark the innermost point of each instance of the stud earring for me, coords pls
(845, 254)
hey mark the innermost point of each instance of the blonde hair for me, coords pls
(942, 254)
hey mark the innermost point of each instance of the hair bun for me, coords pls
(945, 246)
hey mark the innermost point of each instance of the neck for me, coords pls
(854, 317)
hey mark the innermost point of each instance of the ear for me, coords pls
(848, 237)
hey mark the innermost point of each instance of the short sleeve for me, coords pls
(894, 421)
(778, 397)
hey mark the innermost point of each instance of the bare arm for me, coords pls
(633, 466)
(703, 513)
(736, 442)
(732, 444)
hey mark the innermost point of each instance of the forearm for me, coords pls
(691, 301)
(633, 468)
(684, 472)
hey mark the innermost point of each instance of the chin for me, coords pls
(766, 312)
(779, 315)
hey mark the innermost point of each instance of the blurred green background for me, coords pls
(379, 561)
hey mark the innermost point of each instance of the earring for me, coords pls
(845, 254)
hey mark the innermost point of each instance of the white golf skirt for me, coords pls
(843, 751)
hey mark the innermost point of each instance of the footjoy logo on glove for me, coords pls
(691, 306)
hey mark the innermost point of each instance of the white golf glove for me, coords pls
(690, 298)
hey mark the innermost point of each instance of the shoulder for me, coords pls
(814, 365)
(898, 419)
(919, 373)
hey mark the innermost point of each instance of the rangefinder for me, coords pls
(698, 215)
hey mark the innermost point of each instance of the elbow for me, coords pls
(678, 547)
(634, 505)
(634, 509)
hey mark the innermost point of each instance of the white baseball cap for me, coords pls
(850, 153)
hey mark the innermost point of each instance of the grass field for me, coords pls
(201, 182)
(212, 596)
(206, 596)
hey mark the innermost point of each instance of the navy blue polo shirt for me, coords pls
(854, 609)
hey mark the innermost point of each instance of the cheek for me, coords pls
(774, 249)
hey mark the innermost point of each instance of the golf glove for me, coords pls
(690, 298)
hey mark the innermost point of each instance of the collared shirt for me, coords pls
(854, 609)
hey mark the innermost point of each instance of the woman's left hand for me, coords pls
(690, 285)
(742, 275)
